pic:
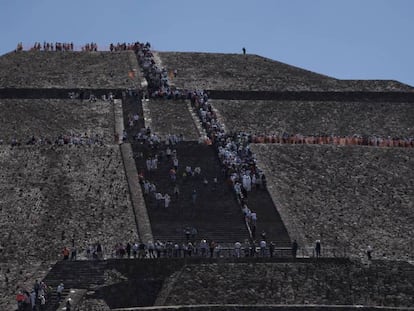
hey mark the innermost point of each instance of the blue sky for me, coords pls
(346, 39)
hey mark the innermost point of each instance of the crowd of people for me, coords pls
(135, 46)
(58, 46)
(63, 139)
(159, 85)
(238, 163)
(359, 140)
(189, 247)
(161, 152)
(157, 78)
(35, 299)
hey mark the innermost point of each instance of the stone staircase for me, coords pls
(74, 275)
(136, 281)
(268, 218)
(216, 214)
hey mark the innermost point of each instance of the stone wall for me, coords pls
(22, 118)
(215, 71)
(313, 96)
(380, 284)
(349, 197)
(53, 194)
(320, 117)
(48, 93)
(90, 70)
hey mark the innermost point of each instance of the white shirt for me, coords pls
(254, 216)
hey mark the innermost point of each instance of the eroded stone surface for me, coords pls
(22, 118)
(386, 284)
(349, 197)
(51, 194)
(215, 71)
(93, 305)
(90, 70)
(314, 118)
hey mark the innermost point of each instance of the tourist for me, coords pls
(42, 301)
(212, 247)
(369, 252)
(237, 249)
(99, 251)
(141, 250)
(128, 249)
(65, 253)
(33, 299)
(318, 248)
(176, 191)
(203, 247)
(167, 200)
(36, 288)
(59, 291)
(135, 250)
(194, 196)
(151, 249)
(295, 247)
(262, 245)
(73, 253)
(271, 248)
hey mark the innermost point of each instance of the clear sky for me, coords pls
(346, 39)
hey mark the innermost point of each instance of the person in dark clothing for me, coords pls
(369, 252)
(212, 246)
(99, 251)
(271, 249)
(295, 247)
(264, 182)
(187, 234)
(263, 235)
(128, 250)
(36, 288)
(318, 248)
(244, 51)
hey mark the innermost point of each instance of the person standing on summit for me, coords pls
(318, 248)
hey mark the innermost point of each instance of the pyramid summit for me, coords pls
(209, 71)
(202, 181)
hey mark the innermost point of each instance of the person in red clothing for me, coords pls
(65, 253)
(20, 301)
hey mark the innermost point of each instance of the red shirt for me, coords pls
(20, 297)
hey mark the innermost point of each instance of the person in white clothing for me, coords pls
(253, 216)
(175, 163)
(154, 163)
(167, 200)
(262, 248)
(237, 248)
(158, 198)
(247, 182)
(148, 162)
(59, 291)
